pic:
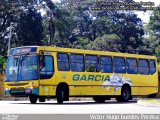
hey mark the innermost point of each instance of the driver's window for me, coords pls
(46, 67)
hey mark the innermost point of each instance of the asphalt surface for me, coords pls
(75, 107)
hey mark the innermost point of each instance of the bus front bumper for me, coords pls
(19, 92)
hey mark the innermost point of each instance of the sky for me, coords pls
(143, 15)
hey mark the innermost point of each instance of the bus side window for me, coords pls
(46, 67)
(131, 65)
(143, 66)
(63, 62)
(119, 65)
(106, 64)
(91, 63)
(77, 62)
(152, 66)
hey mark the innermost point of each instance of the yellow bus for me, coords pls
(41, 72)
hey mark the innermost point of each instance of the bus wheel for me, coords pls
(99, 99)
(60, 95)
(33, 99)
(125, 95)
(42, 99)
(152, 95)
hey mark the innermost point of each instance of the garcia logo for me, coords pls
(114, 80)
(78, 77)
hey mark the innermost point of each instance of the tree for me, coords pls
(10, 11)
(125, 25)
(82, 43)
(82, 16)
(92, 24)
(157, 52)
(108, 42)
(58, 22)
(30, 29)
(153, 33)
(8, 14)
(73, 23)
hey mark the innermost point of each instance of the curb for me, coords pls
(149, 104)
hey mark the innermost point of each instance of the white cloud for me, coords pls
(146, 15)
(56, 0)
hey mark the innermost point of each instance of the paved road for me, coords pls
(76, 107)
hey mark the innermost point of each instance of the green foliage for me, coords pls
(1, 59)
(10, 13)
(2, 63)
(108, 42)
(72, 23)
(153, 42)
(82, 43)
(58, 24)
(93, 24)
(157, 52)
(129, 28)
(154, 23)
(30, 28)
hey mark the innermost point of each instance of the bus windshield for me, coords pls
(22, 67)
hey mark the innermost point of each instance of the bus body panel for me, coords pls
(90, 83)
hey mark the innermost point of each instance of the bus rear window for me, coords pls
(152, 66)
(143, 66)
(131, 65)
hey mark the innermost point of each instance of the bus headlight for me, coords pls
(6, 89)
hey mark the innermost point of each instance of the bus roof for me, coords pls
(93, 52)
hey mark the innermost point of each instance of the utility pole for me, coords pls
(10, 36)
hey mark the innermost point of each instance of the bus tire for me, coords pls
(125, 95)
(42, 99)
(60, 95)
(99, 99)
(33, 99)
(152, 95)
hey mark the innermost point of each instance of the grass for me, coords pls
(154, 101)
